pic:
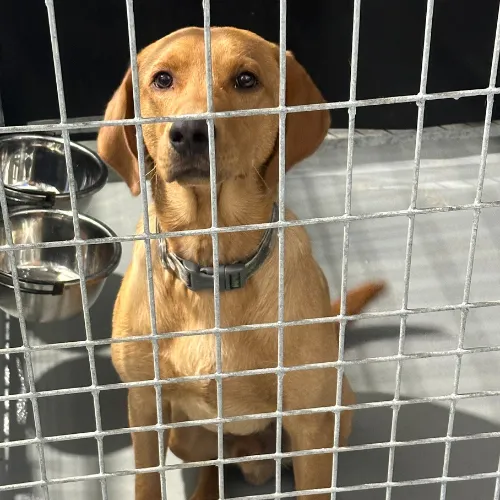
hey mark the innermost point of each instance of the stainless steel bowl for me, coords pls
(48, 277)
(34, 172)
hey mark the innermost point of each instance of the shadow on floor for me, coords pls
(361, 335)
(69, 414)
(417, 421)
(355, 467)
(60, 415)
(78, 409)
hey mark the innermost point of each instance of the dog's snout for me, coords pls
(189, 137)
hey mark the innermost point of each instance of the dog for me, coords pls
(245, 71)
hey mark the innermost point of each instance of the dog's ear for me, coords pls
(117, 144)
(304, 131)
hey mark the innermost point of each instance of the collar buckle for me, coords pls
(231, 277)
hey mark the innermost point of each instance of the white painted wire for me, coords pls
(378, 101)
(76, 228)
(281, 243)
(356, 19)
(343, 489)
(5, 455)
(215, 246)
(409, 240)
(496, 494)
(265, 371)
(43, 483)
(147, 242)
(361, 447)
(472, 251)
(252, 227)
(95, 389)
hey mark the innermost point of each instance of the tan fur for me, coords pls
(260, 471)
(244, 197)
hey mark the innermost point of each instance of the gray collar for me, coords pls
(231, 276)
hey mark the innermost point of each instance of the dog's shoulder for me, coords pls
(139, 247)
(304, 274)
(131, 309)
(297, 241)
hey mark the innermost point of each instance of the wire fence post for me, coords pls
(472, 251)
(281, 241)
(409, 240)
(345, 243)
(76, 227)
(215, 245)
(147, 242)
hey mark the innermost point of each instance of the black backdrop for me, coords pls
(94, 50)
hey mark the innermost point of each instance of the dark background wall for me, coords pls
(94, 50)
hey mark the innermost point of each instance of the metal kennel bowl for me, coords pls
(34, 172)
(48, 277)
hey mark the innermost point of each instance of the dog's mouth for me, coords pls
(193, 169)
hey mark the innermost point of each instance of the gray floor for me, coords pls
(381, 182)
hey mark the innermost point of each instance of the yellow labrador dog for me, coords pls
(172, 82)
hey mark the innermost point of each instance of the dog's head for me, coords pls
(245, 75)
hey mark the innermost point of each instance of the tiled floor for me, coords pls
(381, 182)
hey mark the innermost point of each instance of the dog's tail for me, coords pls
(359, 297)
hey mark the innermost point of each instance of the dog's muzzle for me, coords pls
(189, 143)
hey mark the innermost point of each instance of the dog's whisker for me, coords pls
(259, 175)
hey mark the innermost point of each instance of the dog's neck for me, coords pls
(240, 201)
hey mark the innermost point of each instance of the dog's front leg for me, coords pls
(142, 412)
(196, 444)
(309, 432)
(208, 484)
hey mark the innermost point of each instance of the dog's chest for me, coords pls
(195, 357)
(198, 406)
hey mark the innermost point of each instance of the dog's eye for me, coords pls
(163, 80)
(246, 80)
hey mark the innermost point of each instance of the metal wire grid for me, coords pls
(409, 242)
(352, 104)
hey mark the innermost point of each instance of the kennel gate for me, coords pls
(31, 395)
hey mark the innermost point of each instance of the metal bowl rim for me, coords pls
(103, 273)
(102, 166)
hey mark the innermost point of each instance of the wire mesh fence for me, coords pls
(99, 391)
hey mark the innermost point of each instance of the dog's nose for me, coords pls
(189, 137)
